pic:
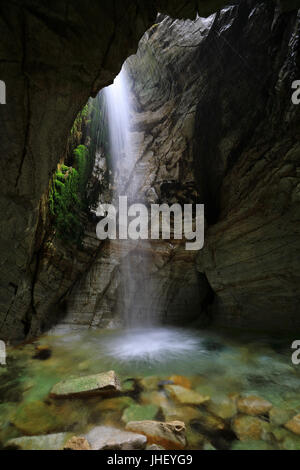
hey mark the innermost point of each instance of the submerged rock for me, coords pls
(169, 435)
(139, 413)
(38, 418)
(279, 416)
(77, 443)
(180, 380)
(109, 438)
(155, 447)
(253, 406)
(248, 428)
(180, 413)
(223, 407)
(115, 404)
(157, 398)
(251, 445)
(105, 383)
(185, 396)
(42, 353)
(47, 442)
(294, 425)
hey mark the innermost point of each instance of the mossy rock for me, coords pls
(140, 413)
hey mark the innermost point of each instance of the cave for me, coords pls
(150, 235)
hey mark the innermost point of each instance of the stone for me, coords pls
(155, 447)
(251, 445)
(129, 385)
(139, 413)
(223, 407)
(208, 423)
(180, 413)
(156, 398)
(38, 417)
(208, 446)
(105, 383)
(45, 442)
(248, 428)
(150, 383)
(194, 439)
(110, 438)
(253, 406)
(180, 380)
(115, 404)
(77, 443)
(294, 425)
(280, 416)
(169, 435)
(185, 396)
(42, 352)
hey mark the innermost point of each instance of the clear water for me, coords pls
(215, 364)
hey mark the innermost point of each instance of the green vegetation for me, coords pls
(67, 197)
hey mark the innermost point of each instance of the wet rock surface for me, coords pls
(109, 438)
(169, 435)
(105, 383)
(32, 419)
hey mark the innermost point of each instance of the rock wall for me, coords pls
(214, 123)
(53, 57)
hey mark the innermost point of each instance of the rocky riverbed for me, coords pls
(160, 388)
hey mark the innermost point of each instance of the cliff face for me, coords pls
(53, 58)
(214, 122)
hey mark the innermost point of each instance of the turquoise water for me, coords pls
(214, 365)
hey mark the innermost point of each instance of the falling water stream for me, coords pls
(134, 299)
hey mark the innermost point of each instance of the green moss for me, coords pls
(67, 198)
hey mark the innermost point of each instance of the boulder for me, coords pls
(253, 406)
(180, 380)
(180, 413)
(169, 435)
(223, 407)
(77, 443)
(105, 383)
(38, 418)
(248, 428)
(47, 442)
(109, 438)
(139, 413)
(185, 396)
(279, 416)
(294, 425)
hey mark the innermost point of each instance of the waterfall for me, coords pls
(134, 293)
